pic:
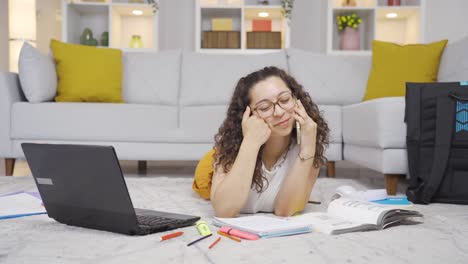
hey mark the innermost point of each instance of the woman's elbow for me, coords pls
(284, 212)
(225, 211)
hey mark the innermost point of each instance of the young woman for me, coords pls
(259, 165)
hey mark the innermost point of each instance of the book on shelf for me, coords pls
(221, 40)
(221, 24)
(261, 25)
(343, 215)
(264, 40)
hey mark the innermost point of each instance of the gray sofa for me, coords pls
(174, 104)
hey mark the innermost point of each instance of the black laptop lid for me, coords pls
(82, 185)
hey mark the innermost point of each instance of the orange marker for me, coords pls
(231, 237)
(166, 237)
(214, 243)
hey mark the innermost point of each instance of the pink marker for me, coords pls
(238, 233)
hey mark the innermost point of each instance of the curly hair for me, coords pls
(229, 137)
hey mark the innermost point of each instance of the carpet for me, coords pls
(441, 238)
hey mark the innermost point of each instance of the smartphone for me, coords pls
(298, 132)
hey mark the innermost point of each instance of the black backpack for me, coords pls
(436, 116)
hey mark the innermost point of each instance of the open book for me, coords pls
(346, 215)
(343, 215)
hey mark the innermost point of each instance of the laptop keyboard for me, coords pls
(155, 221)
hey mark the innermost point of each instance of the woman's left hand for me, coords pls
(308, 131)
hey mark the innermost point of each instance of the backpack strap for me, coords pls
(413, 131)
(445, 121)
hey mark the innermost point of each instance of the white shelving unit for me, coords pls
(405, 28)
(242, 13)
(113, 16)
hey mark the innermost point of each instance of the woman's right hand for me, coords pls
(254, 129)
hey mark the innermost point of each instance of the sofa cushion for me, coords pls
(203, 121)
(87, 74)
(454, 62)
(375, 123)
(209, 79)
(151, 78)
(393, 65)
(37, 74)
(93, 121)
(330, 79)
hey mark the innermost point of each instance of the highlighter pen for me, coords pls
(238, 233)
(203, 228)
(166, 237)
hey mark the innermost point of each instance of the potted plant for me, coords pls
(348, 28)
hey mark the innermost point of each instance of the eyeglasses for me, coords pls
(267, 108)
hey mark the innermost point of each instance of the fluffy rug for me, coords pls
(441, 238)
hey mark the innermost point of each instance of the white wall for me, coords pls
(446, 19)
(3, 35)
(308, 25)
(49, 24)
(177, 24)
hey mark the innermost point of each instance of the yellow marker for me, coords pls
(203, 228)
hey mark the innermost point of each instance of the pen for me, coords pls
(201, 238)
(214, 243)
(166, 237)
(231, 237)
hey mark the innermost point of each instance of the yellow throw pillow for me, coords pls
(203, 174)
(393, 65)
(87, 74)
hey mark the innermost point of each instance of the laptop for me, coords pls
(83, 185)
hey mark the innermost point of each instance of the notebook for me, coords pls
(264, 226)
(20, 204)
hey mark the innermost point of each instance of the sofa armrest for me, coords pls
(10, 92)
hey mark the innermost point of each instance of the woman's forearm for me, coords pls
(296, 188)
(232, 192)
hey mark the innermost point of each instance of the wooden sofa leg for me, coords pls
(9, 166)
(391, 183)
(331, 169)
(142, 167)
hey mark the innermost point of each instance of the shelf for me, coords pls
(258, 3)
(220, 3)
(96, 2)
(406, 28)
(86, 15)
(403, 3)
(359, 4)
(243, 14)
(237, 51)
(115, 17)
(125, 25)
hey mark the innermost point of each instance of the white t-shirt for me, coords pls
(265, 201)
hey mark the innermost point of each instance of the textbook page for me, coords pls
(358, 211)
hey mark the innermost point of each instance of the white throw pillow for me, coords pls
(37, 75)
